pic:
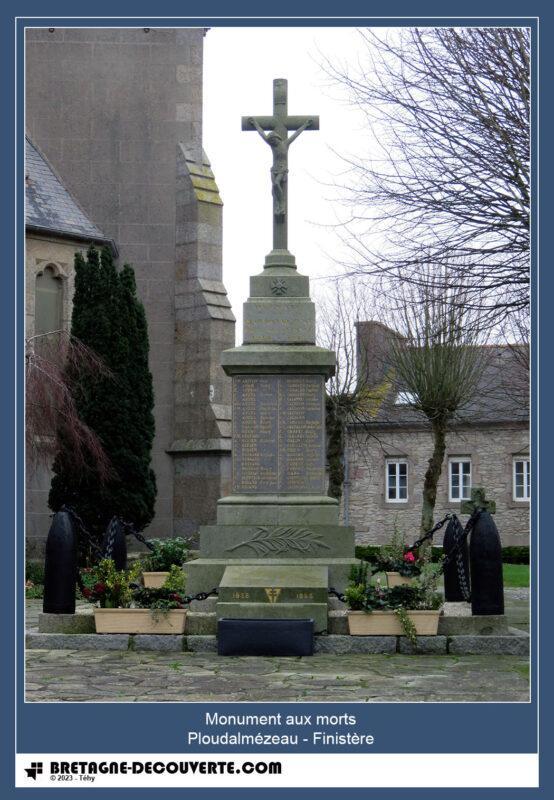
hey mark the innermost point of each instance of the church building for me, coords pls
(114, 157)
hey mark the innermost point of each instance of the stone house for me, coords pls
(488, 446)
(114, 120)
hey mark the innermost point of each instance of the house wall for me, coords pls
(491, 450)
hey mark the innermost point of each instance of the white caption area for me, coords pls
(394, 770)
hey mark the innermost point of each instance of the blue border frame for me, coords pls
(478, 727)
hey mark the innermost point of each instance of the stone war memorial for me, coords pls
(277, 546)
(276, 574)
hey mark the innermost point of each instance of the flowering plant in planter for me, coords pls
(166, 554)
(108, 587)
(364, 596)
(396, 557)
(125, 606)
(170, 595)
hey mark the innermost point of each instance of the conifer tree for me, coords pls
(109, 318)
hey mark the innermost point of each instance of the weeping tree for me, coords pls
(117, 407)
(438, 362)
(50, 358)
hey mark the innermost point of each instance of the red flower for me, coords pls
(86, 592)
(99, 588)
(409, 557)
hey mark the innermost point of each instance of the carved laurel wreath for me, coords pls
(267, 541)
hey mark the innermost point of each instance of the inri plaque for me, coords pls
(278, 434)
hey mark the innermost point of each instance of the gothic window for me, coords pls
(397, 481)
(48, 301)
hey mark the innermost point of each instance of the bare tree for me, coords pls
(438, 362)
(349, 399)
(446, 180)
(52, 361)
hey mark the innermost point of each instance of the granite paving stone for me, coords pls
(142, 676)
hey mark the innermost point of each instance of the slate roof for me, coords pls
(502, 395)
(48, 205)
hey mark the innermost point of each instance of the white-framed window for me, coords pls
(396, 479)
(459, 478)
(521, 478)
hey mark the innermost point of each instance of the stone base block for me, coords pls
(426, 645)
(201, 644)
(296, 539)
(205, 574)
(80, 622)
(346, 645)
(72, 641)
(487, 625)
(516, 643)
(315, 611)
(171, 642)
(337, 622)
(201, 623)
(272, 583)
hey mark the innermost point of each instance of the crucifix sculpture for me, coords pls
(278, 139)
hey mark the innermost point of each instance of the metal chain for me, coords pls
(429, 534)
(200, 596)
(458, 553)
(111, 534)
(129, 528)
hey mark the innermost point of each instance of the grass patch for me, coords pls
(516, 575)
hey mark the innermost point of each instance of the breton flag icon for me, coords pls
(34, 770)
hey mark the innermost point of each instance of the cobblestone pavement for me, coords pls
(126, 676)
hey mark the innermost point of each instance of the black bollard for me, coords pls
(453, 589)
(115, 535)
(485, 557)
(60, 566)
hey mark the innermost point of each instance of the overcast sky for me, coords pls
(239, 67)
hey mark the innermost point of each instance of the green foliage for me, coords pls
(359, 574)
(355, 596)
(166, 553)
(34, 572)
(110, 588)
(515, 555)
(407, 625)
(510, 554)
(109, 319)
(175, 581)
(395, 557)
(34, 591)
(107, 586)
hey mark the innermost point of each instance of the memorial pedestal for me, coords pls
(278, 521)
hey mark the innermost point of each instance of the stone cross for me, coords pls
(477, 501)
(278, 139)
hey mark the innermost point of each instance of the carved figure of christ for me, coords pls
(277, 127)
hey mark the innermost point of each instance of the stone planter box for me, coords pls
(139, 620)
(386, 623)
(154, 580)
(396, 579)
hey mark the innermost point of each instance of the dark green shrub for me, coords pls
(109, 319)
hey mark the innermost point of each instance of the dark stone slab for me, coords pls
(265, 637)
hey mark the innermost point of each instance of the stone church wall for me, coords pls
(112, 109)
